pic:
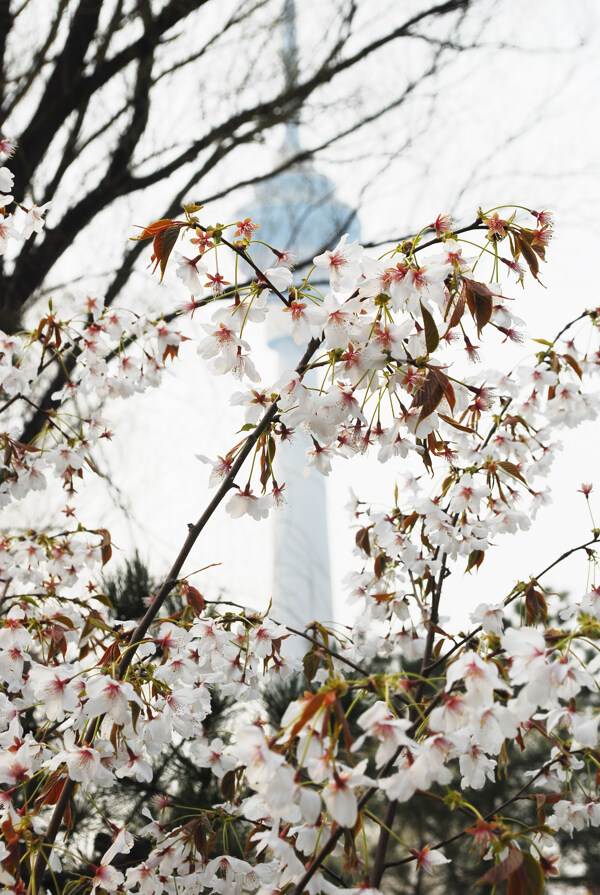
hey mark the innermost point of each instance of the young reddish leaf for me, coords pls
(476, 557)
(228, 786)
(573, 364)
(480, 301)
(12, 840)
(193, 597)
(528, 878)
(432, 337)
(446, 386)
(58, 641)
(362, 540)
(511, 469)
(52, 788)
(536, 606)
(381, 561)
(313, 703)
(523, 247)
(459, 426)
(164, 234)
(105, 545)
(502, 870)
(310, 663)
(163, 246)
(153, 229)
(457, 311)
(428, 396)
(111, 654)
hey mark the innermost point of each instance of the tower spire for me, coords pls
(291, 69)
(297, 208)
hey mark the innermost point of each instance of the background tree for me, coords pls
(89, 116)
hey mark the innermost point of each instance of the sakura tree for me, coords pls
(89, 702)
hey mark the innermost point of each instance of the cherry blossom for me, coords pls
(91, 701)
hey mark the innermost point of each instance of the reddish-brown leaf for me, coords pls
(153, 229)
(528, 878)
(52, 789)
(573, 364)
(480, 301)
(476, 557)
(362, 540)
(193, 597)
(381, 561)
(536, 606)
(105, 545)
(228, 786)
(459, 426)
(112, 654)
(511, 469)
(502, 870)
(163, 246)
(432, 337)
(457, 311)
(310, 663)
(12, 839)
(445, 385)
(428, 396)
(313, 703)
(523, 247)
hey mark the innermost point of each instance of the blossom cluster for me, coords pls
(387, 365)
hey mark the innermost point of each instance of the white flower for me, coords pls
(320, 458)
(339, 795)
(279, 277)
(7, 231)
(245, 502)
(220, 468)
(490, 617)
(109, 697)
(475, 766)
(54, 688)
(189, 270)
(107, 878)
(6, 181)
(379, 723)
(342, 264)
(299, 322)
(429, 860)
(34, 222)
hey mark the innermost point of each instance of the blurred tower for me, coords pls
(297, 210)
